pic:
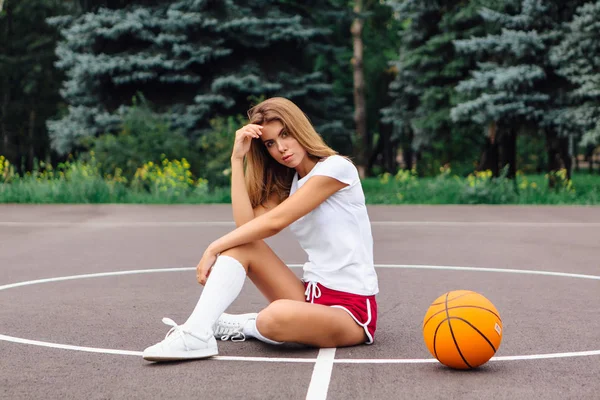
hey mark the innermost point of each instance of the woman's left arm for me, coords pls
(315, 191)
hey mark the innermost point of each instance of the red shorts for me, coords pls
(362, 308)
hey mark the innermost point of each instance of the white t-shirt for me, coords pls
(337, 234)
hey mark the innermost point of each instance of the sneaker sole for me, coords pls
(184, 355)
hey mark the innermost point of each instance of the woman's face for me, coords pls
(281, 145)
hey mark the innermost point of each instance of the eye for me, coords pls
(284, 134)
(268, 144)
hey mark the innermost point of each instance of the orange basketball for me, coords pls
(462, 329)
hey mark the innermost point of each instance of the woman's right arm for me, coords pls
(240, 201)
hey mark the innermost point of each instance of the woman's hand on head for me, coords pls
(204, 266)
(243, 138)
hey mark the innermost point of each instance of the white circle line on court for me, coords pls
(296, 360)
(183, 224)
(301, 360)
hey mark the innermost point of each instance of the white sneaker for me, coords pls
(231, 327)
(181, 344)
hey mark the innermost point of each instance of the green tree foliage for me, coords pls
(428, 70)
(143, 136)
(515, 89)
(194, 60)
(381, 42)
(215, 165)
(577, 58)
(29, 83)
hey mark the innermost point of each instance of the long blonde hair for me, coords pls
(265, 176)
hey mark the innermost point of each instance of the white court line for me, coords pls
(139, 353)
(319, 381)
(14, 339)
(479, 269)
(304, 360)
(183, 224)
(490, 223)
(434, 267)
(60, 224)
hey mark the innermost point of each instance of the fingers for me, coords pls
(250, 130)
(202, 274)
(254, 131)
(201, 277)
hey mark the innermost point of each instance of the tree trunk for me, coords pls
(489, 155)
(509, 152)
(564, 154)
(3, 128)
(408, 153)
(4, 142)
(417, 163)
(389, 155)
(360, 115)
(377, 151)
(31, 144)
(553, 157)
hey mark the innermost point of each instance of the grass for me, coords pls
(481, 188)
(172, 183)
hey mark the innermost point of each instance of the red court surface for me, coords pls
(110, 273)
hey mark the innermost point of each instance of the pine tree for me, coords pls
(515, 88)
(577, 58)
(381, 42)
(193, 60)
(428, 70)
(405, 96)
(29, 83)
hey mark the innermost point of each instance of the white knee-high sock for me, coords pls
(250, 330)
(223, 286)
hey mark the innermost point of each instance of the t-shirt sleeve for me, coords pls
(339, 168)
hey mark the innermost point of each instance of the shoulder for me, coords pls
(338, 167)
(338, 161)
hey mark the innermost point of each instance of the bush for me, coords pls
(144, 136)
(82, 182)
(169, 180)
(216, 146)
(7, 171)
(481, 188)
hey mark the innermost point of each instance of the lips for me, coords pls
(287, 158)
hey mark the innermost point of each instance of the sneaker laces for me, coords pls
(177, 331)
(230, 331)
(312, 291)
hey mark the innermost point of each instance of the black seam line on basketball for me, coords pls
(452, 333)
(434, 338)
(453, 307)
(477, 330)
(452, 299)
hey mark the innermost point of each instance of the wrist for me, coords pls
(212, 249)
(235, 159)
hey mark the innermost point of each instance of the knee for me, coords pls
(241, 253)
(271, 321)
(244, 251)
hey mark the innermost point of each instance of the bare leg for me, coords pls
(289, 318)
(311, 324)
(265, 269)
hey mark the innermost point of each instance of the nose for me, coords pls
(281, 146)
